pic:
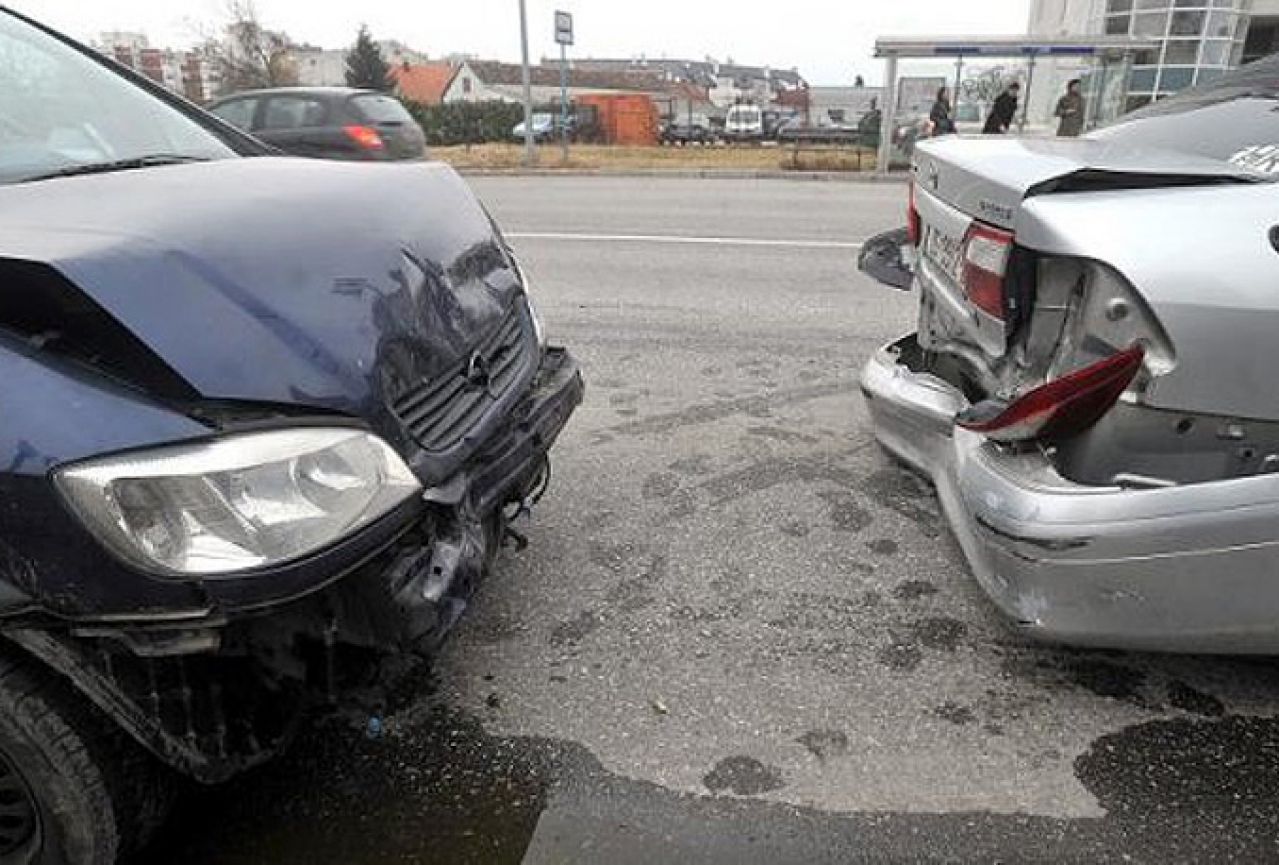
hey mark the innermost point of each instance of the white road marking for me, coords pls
(686, 240)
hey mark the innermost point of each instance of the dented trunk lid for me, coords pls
(961, 183)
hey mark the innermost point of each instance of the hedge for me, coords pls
(466, 122)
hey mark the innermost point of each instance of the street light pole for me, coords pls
(530, 148)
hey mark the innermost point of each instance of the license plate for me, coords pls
(943, 250)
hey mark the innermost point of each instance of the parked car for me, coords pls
(266, 422)
(744, 123)
(326, 122)
(1092, 385)
(685, 131)
(546, 127)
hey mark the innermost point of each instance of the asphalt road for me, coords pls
(741, 632)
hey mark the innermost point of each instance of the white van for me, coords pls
(744, 123)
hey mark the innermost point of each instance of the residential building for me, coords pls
(726, 83)
(326, 67)
(487, 81)
(1197, 41)
(424, 83)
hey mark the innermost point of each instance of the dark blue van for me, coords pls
(263, 423)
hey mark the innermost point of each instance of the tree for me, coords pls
(247, 56)
(365, 66)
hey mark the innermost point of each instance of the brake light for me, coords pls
(986, 253)
(1061, 408)
(913, 228)
(365, 136)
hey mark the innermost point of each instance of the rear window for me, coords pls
(380, 109)
(1234, 118)
(294, 112)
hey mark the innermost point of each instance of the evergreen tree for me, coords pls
(365, 65)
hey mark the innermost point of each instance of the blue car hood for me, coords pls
(277, 280)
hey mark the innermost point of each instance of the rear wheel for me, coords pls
(73, 788)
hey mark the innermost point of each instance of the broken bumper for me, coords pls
(1189, 568)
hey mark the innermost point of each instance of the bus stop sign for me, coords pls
(564, 28)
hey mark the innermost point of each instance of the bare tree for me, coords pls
(248, 56)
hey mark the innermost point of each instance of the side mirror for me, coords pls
(885, 258)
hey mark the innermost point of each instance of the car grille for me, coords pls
(439, 412)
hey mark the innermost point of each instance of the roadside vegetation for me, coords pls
(509, 156)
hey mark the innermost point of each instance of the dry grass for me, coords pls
(602, 157)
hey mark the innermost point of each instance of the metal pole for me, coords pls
(563, 102)
(959, 82)
(1025, 106)
(887, 115)
(530, 148)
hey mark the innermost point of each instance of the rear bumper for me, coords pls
(1192, 568)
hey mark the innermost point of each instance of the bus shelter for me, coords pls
(1107, 85)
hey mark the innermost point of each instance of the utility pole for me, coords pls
(530, 147)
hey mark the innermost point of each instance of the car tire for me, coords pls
(73, 789)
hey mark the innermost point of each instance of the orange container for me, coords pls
(625, 118)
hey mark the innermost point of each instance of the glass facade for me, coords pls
(1199, 39)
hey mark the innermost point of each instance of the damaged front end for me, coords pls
(246, 468)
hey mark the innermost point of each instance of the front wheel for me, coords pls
(69, 791)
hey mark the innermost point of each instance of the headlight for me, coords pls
(237, 503)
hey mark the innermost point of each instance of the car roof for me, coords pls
(323, 92)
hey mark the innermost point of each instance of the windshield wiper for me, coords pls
(148, 161)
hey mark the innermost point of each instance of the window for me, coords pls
(1118, 5)
(1187, 23)
(237, 112)
(1181, 52)
(1143, 80)
(1117, 25)
(1215, 53)
(1175, 78)
(1150, 24)
(293, 112)
(466, 85)
(60, 109)
(381, 109)
(1221, 25)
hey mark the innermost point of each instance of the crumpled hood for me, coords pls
(273, 279)
(988, 177)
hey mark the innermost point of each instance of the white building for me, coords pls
(326, 67)
(1198, 40)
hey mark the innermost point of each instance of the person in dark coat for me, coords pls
(1070, 111)
(1004, 111)
(943, 123)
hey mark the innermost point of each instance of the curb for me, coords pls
(692, 174)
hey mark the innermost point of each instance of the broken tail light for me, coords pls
(364, 136)
(914, 229)
(1061, 408)
(984, 266)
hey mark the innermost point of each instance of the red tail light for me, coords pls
(1061, 408)
(913, 227)
(986, 253)
(365, 136)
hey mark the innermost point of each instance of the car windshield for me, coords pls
(62, 112)
(1234, 118)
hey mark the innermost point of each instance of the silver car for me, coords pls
(1094, 383)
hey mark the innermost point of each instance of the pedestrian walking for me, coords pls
(940, 116)
(1004, 111)
(1070, 111)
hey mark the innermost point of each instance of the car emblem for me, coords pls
(934, 177)
(478, 373)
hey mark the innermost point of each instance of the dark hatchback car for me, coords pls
(265, 423)
(326, 122)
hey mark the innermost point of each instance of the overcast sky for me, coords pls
(829, 40)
